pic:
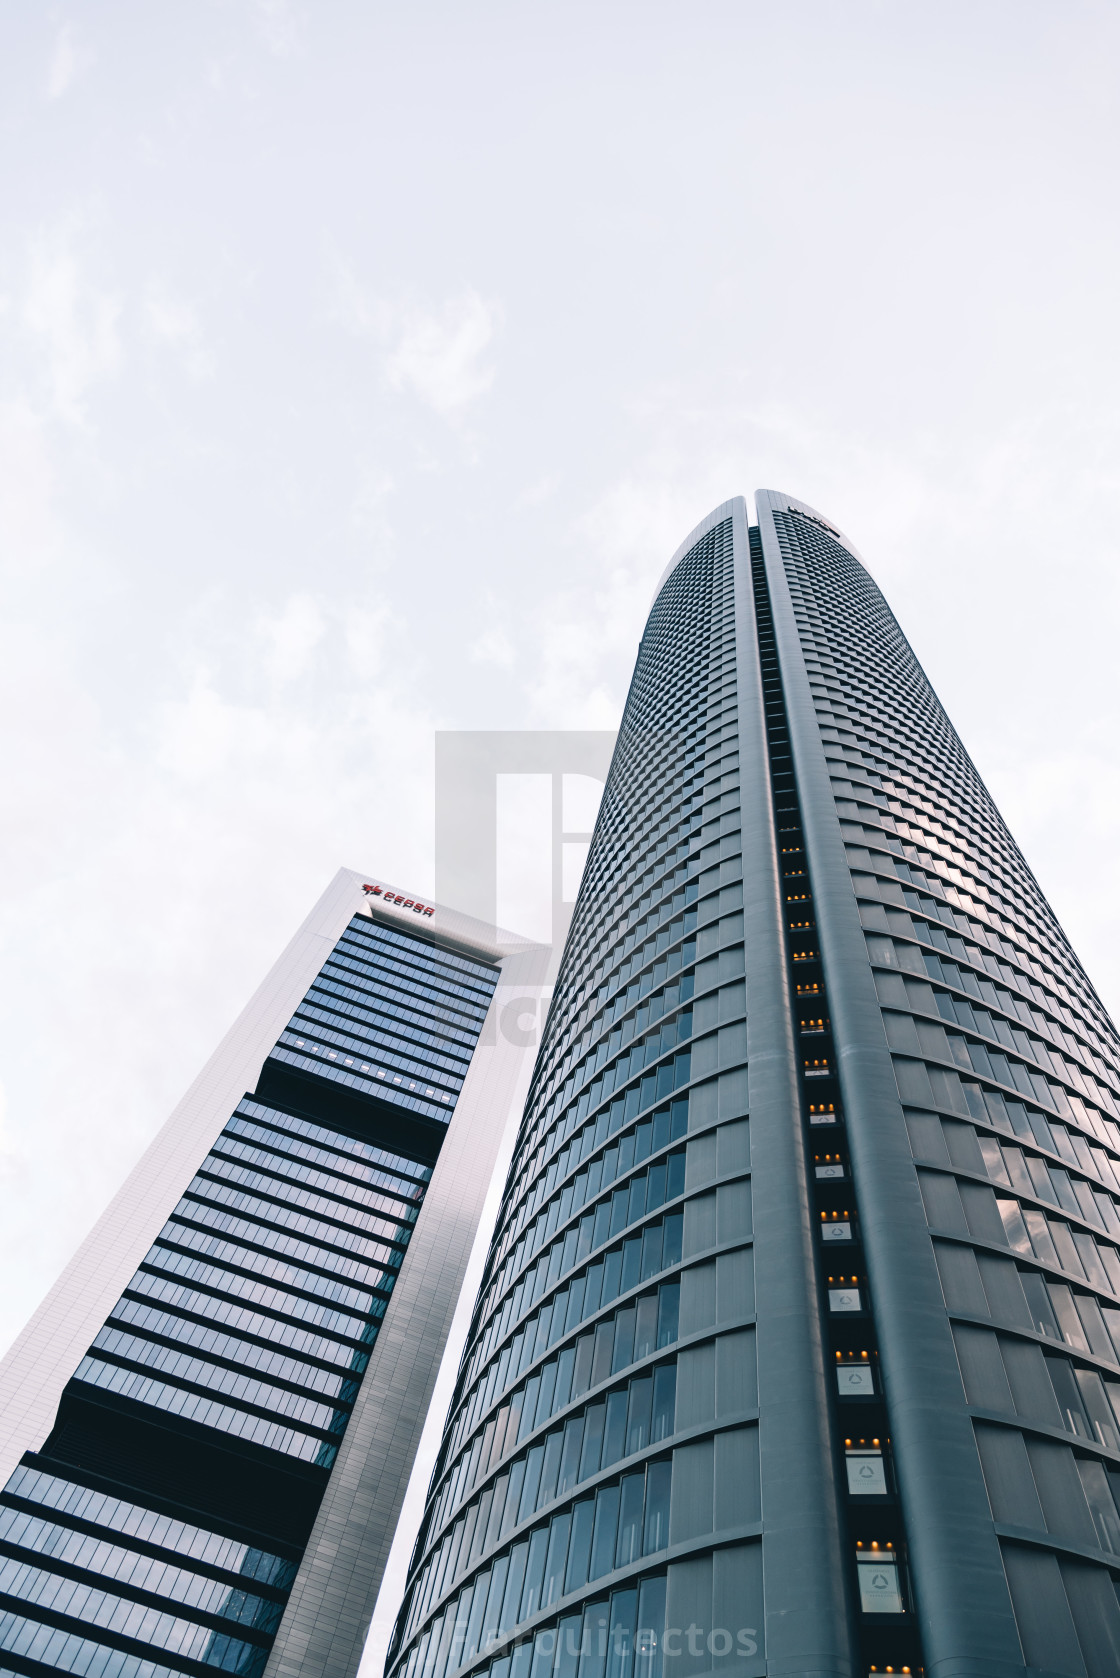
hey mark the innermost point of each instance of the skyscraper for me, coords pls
(798, 1347)
(207, 1428)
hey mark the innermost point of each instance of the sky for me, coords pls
(362, 365)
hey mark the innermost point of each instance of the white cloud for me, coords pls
(437, 354)
(75, 325)
(278, 24)
(69, 60)
(494, 647)
(291, 637)
(27, 529)
(173, 322)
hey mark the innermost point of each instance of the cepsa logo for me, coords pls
(404, 902)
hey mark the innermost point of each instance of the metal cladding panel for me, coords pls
(808, 1627)
(978, 1076)
(965, 1608)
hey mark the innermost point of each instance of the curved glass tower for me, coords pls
(798, 1347)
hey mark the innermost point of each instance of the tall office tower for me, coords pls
(798, 1347)
(207, 1428)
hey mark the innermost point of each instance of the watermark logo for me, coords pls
(514, 813)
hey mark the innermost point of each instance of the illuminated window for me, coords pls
(880, 1587)
(867, 1470)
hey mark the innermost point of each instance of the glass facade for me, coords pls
(603, 1419)
(798, 1345)
(161, 1526)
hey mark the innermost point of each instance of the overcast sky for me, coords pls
(361, 365)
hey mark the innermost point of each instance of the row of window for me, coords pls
(1006, 1162)
(69, 1502)
(296, 1235)
(993, 996)
(235, 1182)
(246, 1412)
(435, 995)
(264, 1391)
(616, 1637)
(1041, 1483)
(969, 801)
(1018, 1378)
(648, 1324)
(972, 1209)
(983, 1284)
(389, 1047)
(272, 1166)
(638, 876)
(666, 867)
(1030, 1175)
(234, 1268)
(36, 1537)
(928, 932)
(927, 1085)
(654, 791)
(611, 1215)
(900, 737)
(990, 1061)
(648, 1013)
(544, 1172)
(862, 636)
(415, 1093)
(639, 1056)
(335, 1339)
(946, 881)
(664, 877)
(619, 1525)
(432, 1028)
(634, 1416)
(915, 994)
(86, 1606)
(446, 1016)
(1004, 1026)
(303, 1139)
(469, 980)
(149, 1323)
(1068, 1002)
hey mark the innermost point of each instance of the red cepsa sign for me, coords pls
(405, 902)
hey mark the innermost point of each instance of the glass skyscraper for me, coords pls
(798, 1347)
(227, 1456)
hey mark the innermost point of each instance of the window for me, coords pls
(880, 1588)
(867, 1471)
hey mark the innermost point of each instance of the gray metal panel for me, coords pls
(963, 1601)
(807, 1620)
(332, 1601)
